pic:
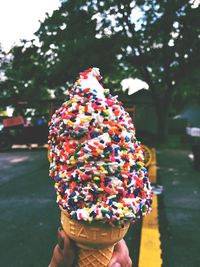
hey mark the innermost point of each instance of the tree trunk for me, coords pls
(162, 113)
(162, 125)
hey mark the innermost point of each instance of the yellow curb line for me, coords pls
(150, 245)
(152, 169)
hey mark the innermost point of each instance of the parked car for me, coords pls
(194, 133)
(16, 131)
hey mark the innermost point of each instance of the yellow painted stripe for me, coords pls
(152, 169)
(150, 245)
(150, 250)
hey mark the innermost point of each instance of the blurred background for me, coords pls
(148, 54)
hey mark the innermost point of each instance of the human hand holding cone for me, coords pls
(95, 241)
(98, 168)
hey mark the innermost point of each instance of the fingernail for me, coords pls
(61, 243)
(116, 264)
(60, 228)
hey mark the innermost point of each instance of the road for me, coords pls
(179, 208)
(29, 216)
(28, 213)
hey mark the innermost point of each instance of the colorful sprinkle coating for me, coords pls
(96, 161)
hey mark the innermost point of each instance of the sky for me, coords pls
(19, 19)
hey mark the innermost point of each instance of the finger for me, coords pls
(57, 257)
(116, 264)
(121, 263)
(63, 237)
(120, 255)
(129, 263)
(60, 239)
(66, 247)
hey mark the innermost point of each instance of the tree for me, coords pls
(161, 46)
(69, 43)
(154, 40)
(4, 63)
(23, 77)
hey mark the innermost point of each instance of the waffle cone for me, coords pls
(95, 241)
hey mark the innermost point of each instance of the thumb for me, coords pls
(116, 264)
(114, 261)
(120, 257)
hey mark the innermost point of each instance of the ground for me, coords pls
(29, 216)
(179, 208)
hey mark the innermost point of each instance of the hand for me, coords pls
(120, 257)
(64, 253)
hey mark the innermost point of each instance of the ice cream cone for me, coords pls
(95, 240)
(97, 164)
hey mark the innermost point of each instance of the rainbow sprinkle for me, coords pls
(96, 161)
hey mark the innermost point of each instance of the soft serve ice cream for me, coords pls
(96, 161)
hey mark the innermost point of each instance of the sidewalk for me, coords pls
(179, 209)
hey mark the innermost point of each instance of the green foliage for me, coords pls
(70, 44)
(159, 46)
(24, 83)
(24, 75)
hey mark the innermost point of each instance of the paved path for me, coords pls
(29, 215)
(179, 209)
(150, 243)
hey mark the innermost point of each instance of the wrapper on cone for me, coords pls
(98, 167)
(95, 241)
